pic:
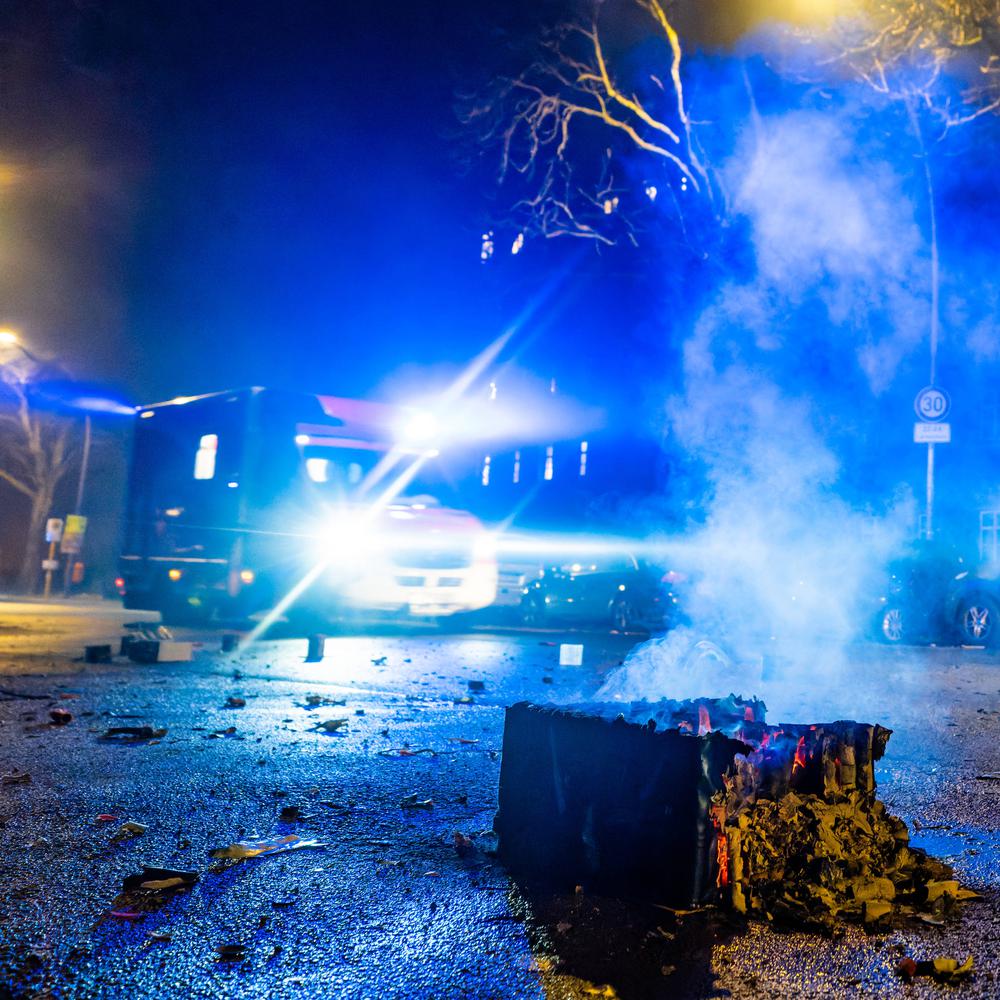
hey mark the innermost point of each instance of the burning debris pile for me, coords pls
(689, 802)
(803, 839)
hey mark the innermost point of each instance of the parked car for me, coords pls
(619, 591)
(931, 595)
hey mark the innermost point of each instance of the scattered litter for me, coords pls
(380, 661)
(149, 630)
(432, 874)
(462, 740)
(989, 776)
(231, 952)
(463, 845)
(570, 655)
(412, 802)
(243, 849)
(465, 700)
(235, 702)
(218, 734)
(97, 654)
(331, 725)
(316, 649)
(315, 700)
(105, 817)
(16, 778)
(126, 915)
(291, 813)
(159, 937)
(477, 685)
(158, 651)
(159, 880)
(6, 694)
(546, 680)
(41, 842)
(405, 751)
(944, 970)
(60, 717)
(282, 903)
(127, 831)
(132, 734)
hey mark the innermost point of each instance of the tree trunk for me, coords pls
(41, 505)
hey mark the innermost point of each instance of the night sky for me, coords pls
(196, 196)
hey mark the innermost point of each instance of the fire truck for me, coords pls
(247, 500)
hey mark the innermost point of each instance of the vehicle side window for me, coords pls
(205, 456)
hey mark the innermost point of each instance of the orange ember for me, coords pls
(748, 714)
(800, 754)
(704, 721)
(721, 848)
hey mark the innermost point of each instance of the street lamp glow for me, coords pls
(9, 337)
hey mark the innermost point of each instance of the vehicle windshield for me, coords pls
(346, 473)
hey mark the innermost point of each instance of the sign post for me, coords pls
(53, 533)
(932, 405)
(72, 544)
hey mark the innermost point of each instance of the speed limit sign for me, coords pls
(932, 403)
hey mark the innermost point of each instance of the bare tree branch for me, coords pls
(576, 117)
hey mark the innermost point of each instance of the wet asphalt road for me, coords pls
(388, 908)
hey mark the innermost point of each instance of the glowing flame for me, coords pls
(704, 721)
(800, 755)
(748, 714)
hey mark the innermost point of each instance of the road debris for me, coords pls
(477, 685)
(316, 648)
(105, 818)
(16, 778)
(241, 850)
(380, 661)
(132, 734)
(60, 717)
(316, 700)
(159, 880)
(234, 701)
(97, 654)
(943, 970)
(407, 751)
(159, 937)
(332, 726)
(231, 952)
(412, 802)
(127, 831)
(463, 845)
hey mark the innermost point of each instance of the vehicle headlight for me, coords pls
(348, 538)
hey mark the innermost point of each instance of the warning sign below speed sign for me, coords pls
(932, 403)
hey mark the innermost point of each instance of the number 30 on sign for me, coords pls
(932, 403)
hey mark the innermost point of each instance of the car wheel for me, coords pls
(623, 615)
(892, 625)
(979, 621)
(533, 610)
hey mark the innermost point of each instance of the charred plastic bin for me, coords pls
(617, 807)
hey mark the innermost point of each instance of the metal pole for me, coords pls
(80, 486)
(930, 491)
